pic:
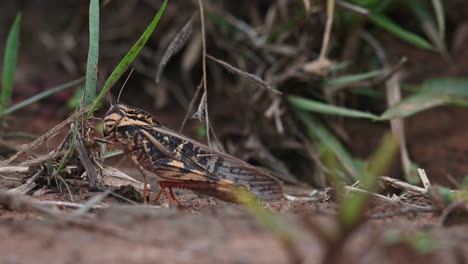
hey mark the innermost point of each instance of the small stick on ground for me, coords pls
(402, 185)
(422, 174)
(14, 169)
(28, 185)
(86, 160)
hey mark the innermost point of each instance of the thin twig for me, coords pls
(14, 169)
(424, 179)
(353, 8)
(85, 159)
(192, 104)
(251, 78)
(28, 185)
(205, 88)
(9, 178)
(92, 202)
(403, 185)
(328, 28)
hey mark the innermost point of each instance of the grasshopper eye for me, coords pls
(108, 128)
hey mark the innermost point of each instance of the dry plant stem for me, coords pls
(393, 91)
(328, 28)
(114, 178)
(85, 159)
(92, 202)
(192, 105)
(376, 195)
(252, 79)
(94, 207)
(69, 205)
(205, 88)
(49, 134)
(403, 185)
(397, 124)
(28, 185)
(424, 179)
(322, 64)
(175, 46)
(353, 8)
(307, 6)
(9, 178)
(14, 169)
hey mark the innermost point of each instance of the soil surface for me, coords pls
(209, 231)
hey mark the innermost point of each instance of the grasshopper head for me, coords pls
(121, 115)
(112, 119)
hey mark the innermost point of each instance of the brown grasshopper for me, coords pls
(181, 162)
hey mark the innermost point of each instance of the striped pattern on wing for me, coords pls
(219, 166)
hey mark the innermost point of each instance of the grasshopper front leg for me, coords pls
(135, 160)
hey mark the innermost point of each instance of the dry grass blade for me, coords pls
(192, 105)
(28, 185)
(200, 113)
(86, 160)
(91, 203)
(397, 124)
(49, 134)
(175, 46)
(14, 169)
(424, 178)
(252, 79)
(402, 185)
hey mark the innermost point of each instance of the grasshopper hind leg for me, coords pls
(163, 185)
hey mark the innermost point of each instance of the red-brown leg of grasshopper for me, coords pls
(134, 159)
(184, 185)
(163, 185)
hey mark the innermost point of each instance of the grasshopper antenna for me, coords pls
(126, 80)
(102, 79)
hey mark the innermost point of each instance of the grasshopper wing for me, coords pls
(217, 167)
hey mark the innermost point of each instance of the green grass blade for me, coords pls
(318, 132)
(387, 24)
(128, 59)
(352, 208)
(41, 96)
(350, 79)
(9, 62)
(457, 87)
(440, 17)
(430, 28)
(434, 92)
(93, 53)
(414, 104)
(319, 107)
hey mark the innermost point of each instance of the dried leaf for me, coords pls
(200, 113)
(252, 79)
(175, 46)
